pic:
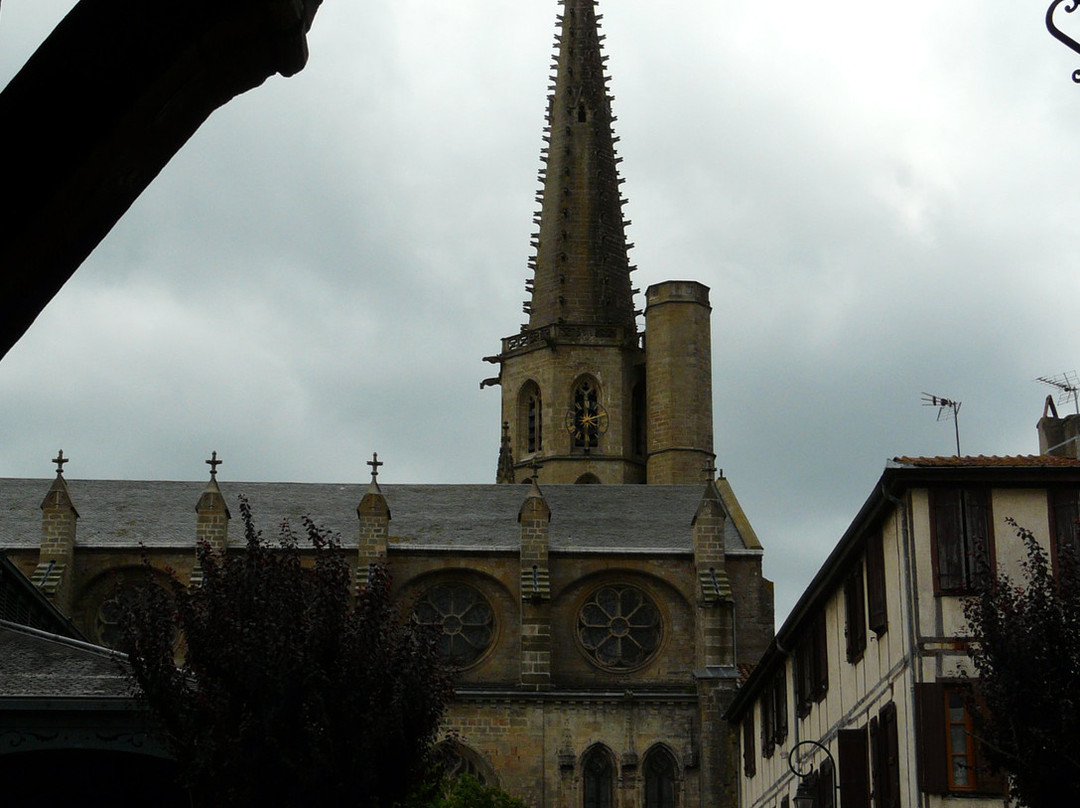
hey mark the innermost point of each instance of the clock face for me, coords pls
(586, 422)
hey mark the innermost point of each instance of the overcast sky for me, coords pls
(883, 199)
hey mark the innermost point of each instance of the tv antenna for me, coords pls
(1068, 384)
(948, 409)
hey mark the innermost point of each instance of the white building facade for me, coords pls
(871, 663)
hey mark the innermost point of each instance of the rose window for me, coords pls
(465, 618)
(619, 627)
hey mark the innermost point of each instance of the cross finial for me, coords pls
(375, 463)
(213, 463)
(60, 460)
(535, 465)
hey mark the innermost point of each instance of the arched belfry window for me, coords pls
(598, 777)
(587, 419)
(532, 419)
(659, 771)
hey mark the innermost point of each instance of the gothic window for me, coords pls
(455, 759)
(598, 779)
(659, 779)
(586, 420)
(112, 599)
(532, 426)
(587, 479)
(465, 618)
(619, 627)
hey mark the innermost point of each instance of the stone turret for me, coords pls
(534, 517)
(211, 520)
(678, 370)
(374, 515)
(57, 553)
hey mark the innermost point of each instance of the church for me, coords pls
(599, 599)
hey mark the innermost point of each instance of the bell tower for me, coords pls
(573, 378)
(575, 406)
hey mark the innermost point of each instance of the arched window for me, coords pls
(588, 478)
(619, 627)
(587, 420)
(464, 617)
(659, 779)
(532, 422)
(456, 759)
(598, 775)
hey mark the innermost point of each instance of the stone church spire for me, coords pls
(581, 272)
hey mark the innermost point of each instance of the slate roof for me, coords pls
(589, 518)
(32, 665)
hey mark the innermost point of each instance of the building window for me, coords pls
(659, 779)
(1064, 521)
(749, 756)
(597, 776)
(587, 418)
(962, 544)
(950, 757)
(855, 614)
(876, 590)
(853, 758)
(812, 666)
(465, 618)
(619, 627)
(532, 426)
(454, 759)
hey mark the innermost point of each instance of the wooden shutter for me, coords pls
(890, 741)
(876, 593)
(877, 776)
(853, 752)
(855, 612)
(826, 786)
(749, 758)
(979, 542)
(949, 554)
(933, 759)
(779, 697)
(821, 658)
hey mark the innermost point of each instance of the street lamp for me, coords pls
(808, 778)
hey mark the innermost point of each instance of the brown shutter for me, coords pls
(853, 751)
(821, 657)
(749, 759)
(988, 782)
(933, 758)
(890, 741)
(876, 593)
(855, 612)
(875, 761)
(980, 542)
(948, 545)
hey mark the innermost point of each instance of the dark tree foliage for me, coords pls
(462, 791)
(1026, 651)
(290, 691)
